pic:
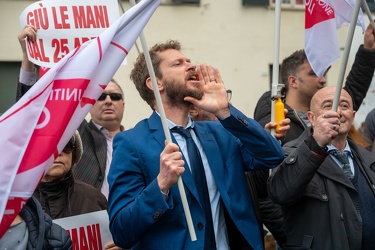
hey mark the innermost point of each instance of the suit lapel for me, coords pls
(100, 146)
(157, 131)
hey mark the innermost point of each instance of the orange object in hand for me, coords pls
(279, 113)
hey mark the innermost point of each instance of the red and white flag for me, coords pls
(321, 41)
(344, 12)
(39, 125)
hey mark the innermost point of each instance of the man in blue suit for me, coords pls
(145, 208)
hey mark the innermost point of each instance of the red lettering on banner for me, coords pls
(99, 236)
(36, 50)
(88, 238)
(92, 237)
(74, 236)
(78, 41)
(61, 48)
(59, 114)
(66, 94)
(82, 239)
(63, 17)
(38, 18)
(324, 6)
(90, 17)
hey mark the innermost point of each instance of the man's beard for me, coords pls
(176, 92)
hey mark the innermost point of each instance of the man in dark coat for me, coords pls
(301, 84)
(324, 208)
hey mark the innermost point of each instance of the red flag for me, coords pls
(38, 126)
(321, 42)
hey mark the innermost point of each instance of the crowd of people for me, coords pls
(311, 184)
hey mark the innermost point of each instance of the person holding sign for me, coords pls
(144, 204)
(60, 193)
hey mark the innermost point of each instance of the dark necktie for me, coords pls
(199, 175)
(342, 156)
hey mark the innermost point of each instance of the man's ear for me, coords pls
(311, 117)
(193, 111)
(292, 81)
(149, 84)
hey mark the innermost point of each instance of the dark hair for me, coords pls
(291, 65)
(139, 73)
(118, 85)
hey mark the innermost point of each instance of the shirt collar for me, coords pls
(172, 124)
(103, 129)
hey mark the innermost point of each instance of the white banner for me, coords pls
(65, 25)
(87, 231)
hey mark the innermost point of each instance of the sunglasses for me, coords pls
(113, 96)
(69, 147)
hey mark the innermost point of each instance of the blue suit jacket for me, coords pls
(139, 215)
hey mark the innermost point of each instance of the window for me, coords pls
(289, 4)
(255, 2)
(285, 4)
(197, 2)
(8, 84)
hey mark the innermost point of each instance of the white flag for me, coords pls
(321, 41)
(344, 11)
(38, 126)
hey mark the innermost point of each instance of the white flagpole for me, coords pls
(166, 131)
(275, 68)
(368, 12)
(345, 56)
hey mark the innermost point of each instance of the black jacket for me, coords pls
(357, 85)
(320, 204)
(43, 234)
(91, 168)
(69, 197)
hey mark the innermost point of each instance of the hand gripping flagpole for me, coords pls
(166, 131)
(345, 56)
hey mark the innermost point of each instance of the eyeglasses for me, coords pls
(113, 96)
(229, 94)
(69, 147)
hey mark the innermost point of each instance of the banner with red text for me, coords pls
(87, 231)
(321, 40)
(65, 25)
(38, 126)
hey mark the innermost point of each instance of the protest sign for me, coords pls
(87, 231)
(65, 25)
